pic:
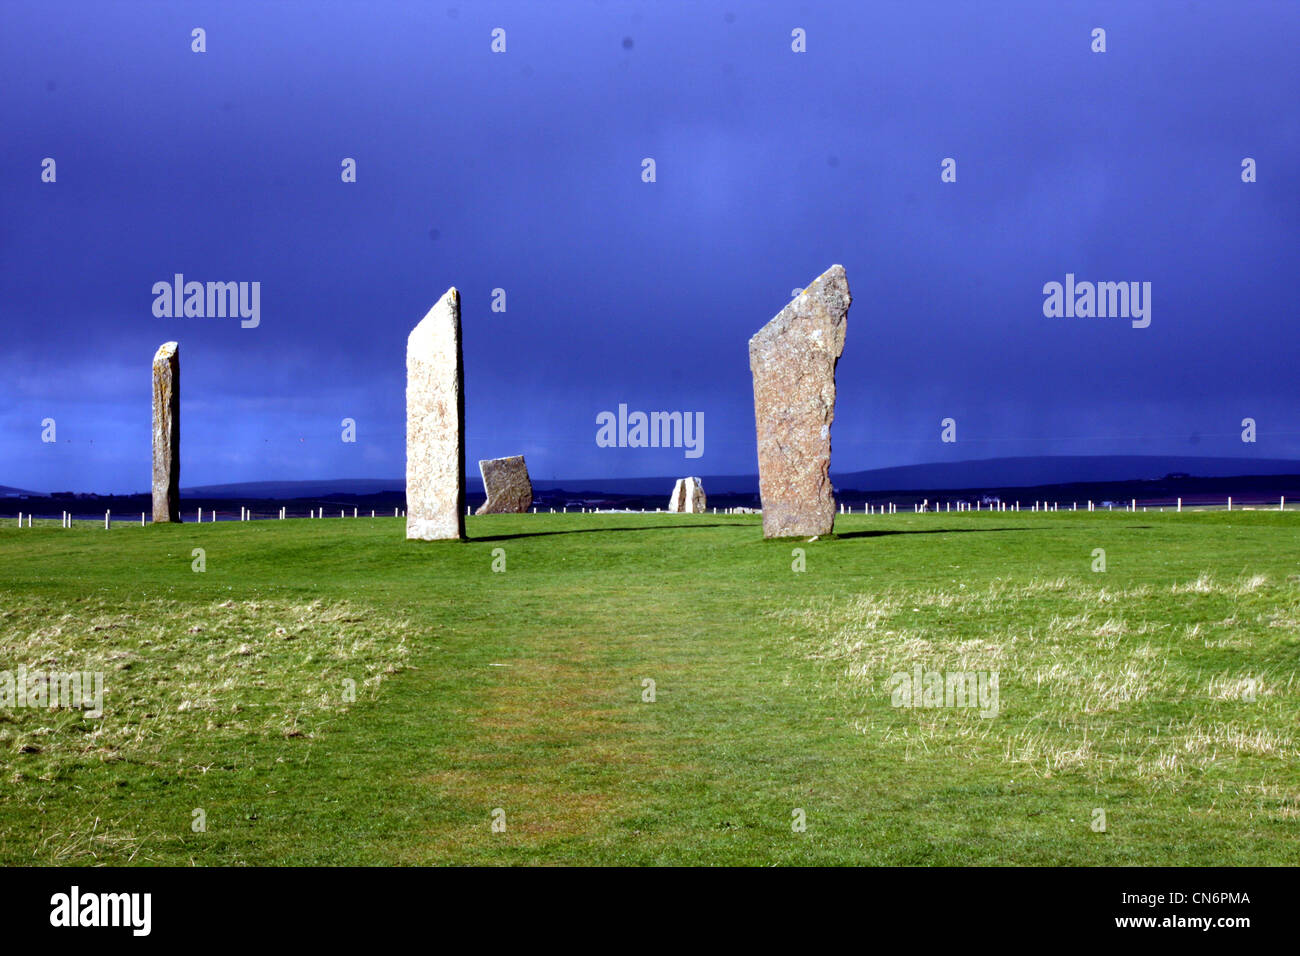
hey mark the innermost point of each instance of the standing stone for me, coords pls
(688, 496)
(167, 433)
(435, 425)
(677, 499)
(793, 361)
(505, 480)
(695, 499)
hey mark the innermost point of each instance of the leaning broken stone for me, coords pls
(505, 480)
(435, 425)
(688, 496)
(793, 361)
(167, 433)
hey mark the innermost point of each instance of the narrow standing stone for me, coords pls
(695, 498)
(167, 433)
(435, 425)
(676, 501)
(505, 481)
(793, 360)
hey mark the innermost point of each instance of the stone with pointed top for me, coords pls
(167, 433)
(505, 481)
(435, 425)
(793, 360)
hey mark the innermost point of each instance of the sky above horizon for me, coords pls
(523, 170)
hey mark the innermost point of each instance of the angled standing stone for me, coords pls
(505, 480)
(688, 496)
(167, 433)
(793, 361)
(435, 425)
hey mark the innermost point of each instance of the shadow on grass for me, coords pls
(540, 534)
(877, 534)
(678, 527)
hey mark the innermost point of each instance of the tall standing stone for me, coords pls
(167, 433)
(435, 425)
(505, 481)
(688, 497)
(793, 361)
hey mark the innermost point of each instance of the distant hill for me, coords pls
(6, 491)
(375, 486)
(299, 489)
(1055, 470)
(979, 473)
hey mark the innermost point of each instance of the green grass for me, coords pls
(1163, 691)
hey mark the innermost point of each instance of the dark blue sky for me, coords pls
(522, 170)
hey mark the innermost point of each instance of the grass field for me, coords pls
(1162, 691)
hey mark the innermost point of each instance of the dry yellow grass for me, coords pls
(1096, 680)
(221, 670)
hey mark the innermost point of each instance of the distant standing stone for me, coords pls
(509, 492)
(688, 496)
(793, 361)
(435, 425)
(167, 433)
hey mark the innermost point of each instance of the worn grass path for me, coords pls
(522, 691)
